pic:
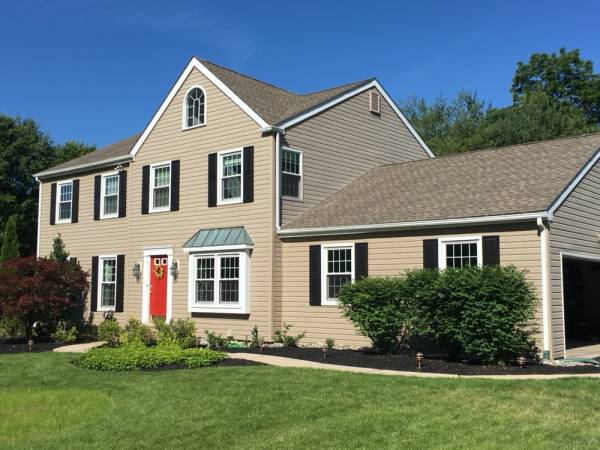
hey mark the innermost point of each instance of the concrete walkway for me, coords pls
(587, 351)
(291, 362)
(78, 348)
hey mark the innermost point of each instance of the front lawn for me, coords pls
(46, 402)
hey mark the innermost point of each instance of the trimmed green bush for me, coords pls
(63, 334)
(109, 331)
(138, 356)
(382, 310)
(181, 332)
(136, 332)
(485, 314)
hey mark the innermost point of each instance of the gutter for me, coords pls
(82, 167)
(357, 229)
(39, 217)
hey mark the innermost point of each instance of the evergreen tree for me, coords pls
(58, 250)
(10, 241)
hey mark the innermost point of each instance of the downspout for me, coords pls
(546, 305)
(277, 182)
(39, 217)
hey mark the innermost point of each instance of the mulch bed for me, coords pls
(8, 347)
(407, 362)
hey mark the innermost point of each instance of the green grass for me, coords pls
(46, 402)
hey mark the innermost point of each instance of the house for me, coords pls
(244, 204)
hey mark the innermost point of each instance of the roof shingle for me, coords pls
(507, 180)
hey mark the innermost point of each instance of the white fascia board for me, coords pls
(195, 64)
(80, 167)
(354, 229)
(352, 93)
(573, 184)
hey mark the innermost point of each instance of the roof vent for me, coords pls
(375, 102)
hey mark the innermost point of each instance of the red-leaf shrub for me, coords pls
(39, 290)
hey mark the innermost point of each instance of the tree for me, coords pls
(39, 290)
(71, 150)
(565, 77)
(59, 253)
(10, 241)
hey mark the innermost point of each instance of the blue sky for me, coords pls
(95, 71)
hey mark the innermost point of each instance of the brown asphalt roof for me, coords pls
(506, 180)
(273, 104)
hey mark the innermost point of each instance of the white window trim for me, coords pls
(242, 307)
(324, 300)
(300, 197)
(184, 126)
(231, 201)
(456, 240)
(103, 194)
(57, 206)
(99, 306)
(151, 208)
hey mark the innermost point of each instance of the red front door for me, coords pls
(158, 285)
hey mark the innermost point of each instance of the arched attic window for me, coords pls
(195, 108)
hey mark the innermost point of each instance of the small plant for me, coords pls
(181, 332)
(283, 336)
(11, 327)
(109, 331)
(136, 332)
(62, 335)
(235, 344)
(330, 343)
(254, 341)
(215, 340)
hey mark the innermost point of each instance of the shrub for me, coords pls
(283, 336)
(135, 332)
(254, 340)
(181, 332)
(109, 331)
(330, 343)
(39, 290)
(63, 334)
(11, 327)
(138, 356)
(484, 314)
(382, 310)
(10, 241)
(215, 340)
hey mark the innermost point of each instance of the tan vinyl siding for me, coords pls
(344, 142)
(575, 229)
(390, 254)
(227, 127)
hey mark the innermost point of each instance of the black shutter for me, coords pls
(314, 274)
(361, 254)
(120, 283)
(145, 189)
(75, 202)
(430, 254)
(123, 193)
(175, 185)
(212, 180)
(52, 203)
(248, 174)
(94, 292)
(97, 192)
(491, 250)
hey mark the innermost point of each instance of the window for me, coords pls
(64, 205)
(110, 196)
(374, 102)
(108, 282)
(230, 177)
(160, 179)
(460, 252)
(218, 282)
(337, 269)
(194, 108)
(291, 173)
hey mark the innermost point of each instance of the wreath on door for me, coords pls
(159, 271)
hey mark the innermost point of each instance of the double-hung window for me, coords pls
(219, 282)
(64, 205)
(291, 173)
(230, 176)
(160, 179)
(460, 252)
(337, 270)
(110, 196)
(107, 285)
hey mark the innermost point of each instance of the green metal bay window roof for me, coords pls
(219, 237)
